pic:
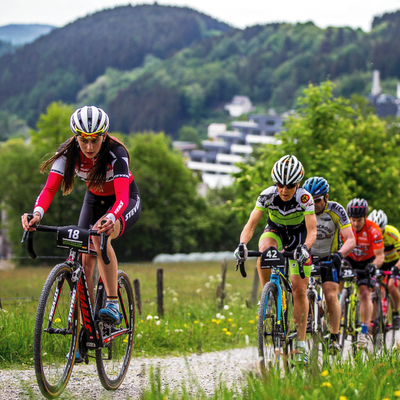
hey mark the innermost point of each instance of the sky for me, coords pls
(239, 14)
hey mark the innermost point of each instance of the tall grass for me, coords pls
(193, 320)
(375, 377)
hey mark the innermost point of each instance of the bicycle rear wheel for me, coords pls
(268, 329)
(390, 333)
(344, 306)
(54, 344)
(113, 359)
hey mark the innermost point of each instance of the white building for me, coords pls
(218, 156)
(239, 105)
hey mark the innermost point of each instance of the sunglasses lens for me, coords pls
(290, 186)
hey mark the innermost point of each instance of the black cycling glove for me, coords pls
(336, 259)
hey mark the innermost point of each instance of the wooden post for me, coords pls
(221, 286)
(254, 292)
(160, 295)
(138, 299)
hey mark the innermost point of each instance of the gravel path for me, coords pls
(196, 371)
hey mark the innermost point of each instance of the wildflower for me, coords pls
(158, 322)
(325, 373)
(156, 317)
(326, 384)
(149, 317)
(230, 320)
(188, 313)
(174, 299)
(196, 322)
(213, 320)
(251, 321)
(247, 340)
(224, 329)
(226, 307)
(207, 284)
(228, 333)
(198, 290)
(138, 336)
(210, 278)
(233, 325)
(218, 315)
(57, 320)
(222, 316)
(230, 313)
(397, 393)
(185, 325)
(342, 398)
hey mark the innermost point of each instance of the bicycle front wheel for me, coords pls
(54, 343)
(268, 329)
(113, 359)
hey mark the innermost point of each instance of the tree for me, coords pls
(334, 138)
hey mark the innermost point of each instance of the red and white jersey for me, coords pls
(118, 179)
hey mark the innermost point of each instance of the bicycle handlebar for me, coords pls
(28, 237)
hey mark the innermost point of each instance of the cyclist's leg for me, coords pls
(365, 303)
(330, 289)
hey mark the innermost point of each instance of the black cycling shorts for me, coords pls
(326, 273)
(289, 241)
(94, 207)
(362, 278)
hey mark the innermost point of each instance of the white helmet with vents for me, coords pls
(287, 171)
(89, 122)
(379, 217)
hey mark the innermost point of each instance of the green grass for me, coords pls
(193, 320)
(376, 378)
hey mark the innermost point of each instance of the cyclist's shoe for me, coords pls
(334, 348)
(301, 355)
(396, 322)
(364, 339)
(111, 315)
(78, 358)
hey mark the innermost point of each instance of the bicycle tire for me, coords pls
(390, 333)
(53, 349)
(357, 324)
(268, 329)
(344, 306)
(378, 332)
(113, 360)
(312, 337)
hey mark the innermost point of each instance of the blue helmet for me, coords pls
(316, 186)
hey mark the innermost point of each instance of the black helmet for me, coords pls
(357, 208)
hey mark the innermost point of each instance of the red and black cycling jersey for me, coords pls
(118, 179)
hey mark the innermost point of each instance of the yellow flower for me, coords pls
(386, 398)
(188, 313)
(325, 373)
(214, 320)
(57, 320)
(233, 325)
(251, 321)
(397, 393)
(257, 317)
(351, 384)
(326, 384)
(228, 333)
(196, 322)
(230, 320)
(342, 398)
(185, 325)
(224, 329)
(218, 322)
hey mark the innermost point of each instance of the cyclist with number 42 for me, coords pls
(291, 226)
(391, 242)
(332, 223)
(368, 255)
(112, 201)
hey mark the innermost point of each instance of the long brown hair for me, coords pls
(97, 174)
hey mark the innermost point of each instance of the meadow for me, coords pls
(193, 321)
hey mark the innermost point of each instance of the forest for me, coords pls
(158, 68)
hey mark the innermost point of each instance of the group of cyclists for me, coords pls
(302, 219)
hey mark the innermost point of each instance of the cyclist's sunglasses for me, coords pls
(93, 135)
(289, 186)
(318, 199)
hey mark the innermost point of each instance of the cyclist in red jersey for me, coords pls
(112, 195)
(368, 255)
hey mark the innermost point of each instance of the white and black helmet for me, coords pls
(288, 170)
(379, 217)
(89, 122)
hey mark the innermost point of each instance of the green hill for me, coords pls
(58, 65)
(157, 68)
(18, 34)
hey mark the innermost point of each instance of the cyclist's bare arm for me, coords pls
(349, 241)
(248, 230)
(379, 257)
(311, 225)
